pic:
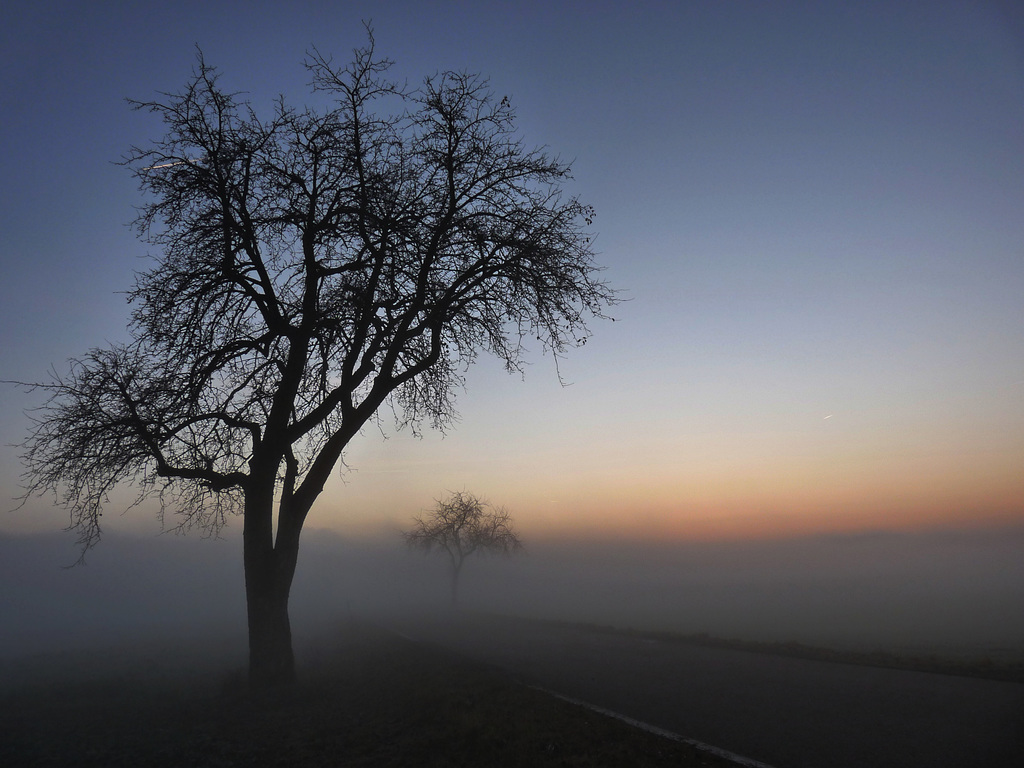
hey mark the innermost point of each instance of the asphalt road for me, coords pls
(788, 713)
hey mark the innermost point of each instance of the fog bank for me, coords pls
(943, 591)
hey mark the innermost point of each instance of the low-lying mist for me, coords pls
(946, 592)
(941, 592)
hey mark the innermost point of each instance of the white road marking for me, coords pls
(746, 762)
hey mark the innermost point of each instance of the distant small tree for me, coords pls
(461, 525)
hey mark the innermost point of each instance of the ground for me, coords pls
(367, 698)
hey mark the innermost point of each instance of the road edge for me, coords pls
(725, 754)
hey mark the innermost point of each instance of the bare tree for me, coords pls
(461, 525)
(311, 267)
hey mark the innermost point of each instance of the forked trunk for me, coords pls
(269, 569)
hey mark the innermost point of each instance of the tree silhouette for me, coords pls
(462, 525)
(311, 267)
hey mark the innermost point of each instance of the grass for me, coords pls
(369, 698)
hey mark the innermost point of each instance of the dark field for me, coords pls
(367, 698)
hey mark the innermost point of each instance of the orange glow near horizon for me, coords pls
(582, 479)
(764, 496)
(725, 524)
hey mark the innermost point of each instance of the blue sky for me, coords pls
(816, 210)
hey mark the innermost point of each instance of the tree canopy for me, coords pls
(311, 266)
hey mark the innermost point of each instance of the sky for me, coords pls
(815, 211)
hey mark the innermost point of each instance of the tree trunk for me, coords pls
(271, 660)
(456, 569)
(268, 579)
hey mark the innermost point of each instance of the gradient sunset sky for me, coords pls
(816, 211)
